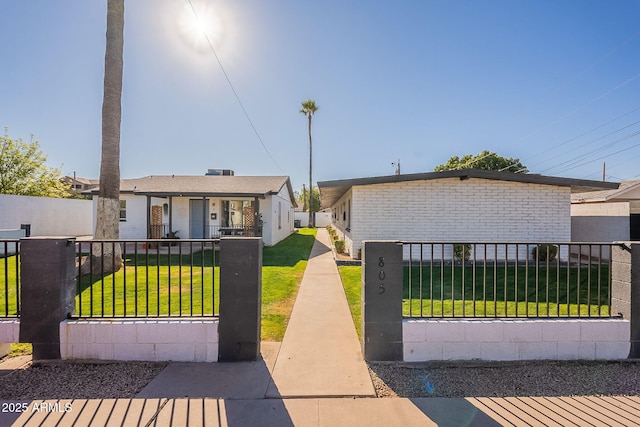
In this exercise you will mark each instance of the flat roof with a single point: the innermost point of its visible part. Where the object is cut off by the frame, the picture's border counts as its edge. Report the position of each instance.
(332, 191)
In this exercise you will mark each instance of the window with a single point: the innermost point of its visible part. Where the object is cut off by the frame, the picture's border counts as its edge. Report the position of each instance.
(123, 210)
(237, 213)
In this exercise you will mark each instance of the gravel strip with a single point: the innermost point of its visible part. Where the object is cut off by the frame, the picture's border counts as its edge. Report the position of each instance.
(473, 379)
(74, 380)
(110, 380)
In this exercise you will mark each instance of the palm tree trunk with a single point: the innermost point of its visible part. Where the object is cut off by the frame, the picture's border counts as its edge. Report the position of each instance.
(108, 209)
(311, 224)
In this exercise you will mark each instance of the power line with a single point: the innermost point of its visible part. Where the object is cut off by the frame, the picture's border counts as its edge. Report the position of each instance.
(226, 76)
(583, 134)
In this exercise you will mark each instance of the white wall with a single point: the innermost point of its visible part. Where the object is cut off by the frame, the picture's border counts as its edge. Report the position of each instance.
(47, 216)
(600, 222)
(281, 205)
(322, 218)
(9, 333)
(590, 339)
(456, 210)
(180, 340)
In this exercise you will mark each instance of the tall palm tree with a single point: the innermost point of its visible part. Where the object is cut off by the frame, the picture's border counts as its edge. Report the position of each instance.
(108, 210)
(309, 108)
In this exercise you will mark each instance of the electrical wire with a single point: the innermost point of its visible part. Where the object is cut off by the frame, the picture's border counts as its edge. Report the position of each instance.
(235, 93)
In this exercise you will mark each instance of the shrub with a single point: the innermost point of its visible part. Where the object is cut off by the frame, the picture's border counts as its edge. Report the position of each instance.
(340, 246)
(544, 251)
(462, 250)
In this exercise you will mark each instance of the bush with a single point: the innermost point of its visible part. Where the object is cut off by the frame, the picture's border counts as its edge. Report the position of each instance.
(462, 250)
(340, 246)
(544, 251)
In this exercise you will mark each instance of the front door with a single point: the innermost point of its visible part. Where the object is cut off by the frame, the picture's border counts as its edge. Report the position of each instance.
(198, 214)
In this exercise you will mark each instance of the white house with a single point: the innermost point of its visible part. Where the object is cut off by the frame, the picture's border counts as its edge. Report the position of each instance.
(454, 206)
(608, 215)
(197, 207)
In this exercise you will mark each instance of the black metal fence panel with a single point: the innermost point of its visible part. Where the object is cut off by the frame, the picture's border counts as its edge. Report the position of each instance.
(156, 278)
(9, 278)
(507, 280)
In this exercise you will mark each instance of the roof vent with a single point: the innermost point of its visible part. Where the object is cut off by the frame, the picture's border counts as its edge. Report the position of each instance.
(219, 172)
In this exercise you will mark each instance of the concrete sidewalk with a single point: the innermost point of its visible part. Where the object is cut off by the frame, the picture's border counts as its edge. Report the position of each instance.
(320, 354)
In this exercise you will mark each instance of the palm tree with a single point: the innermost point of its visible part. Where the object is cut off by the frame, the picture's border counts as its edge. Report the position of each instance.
(108, 209)
(308, 109)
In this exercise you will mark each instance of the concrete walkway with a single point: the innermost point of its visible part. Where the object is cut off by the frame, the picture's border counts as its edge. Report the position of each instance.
(320, 354)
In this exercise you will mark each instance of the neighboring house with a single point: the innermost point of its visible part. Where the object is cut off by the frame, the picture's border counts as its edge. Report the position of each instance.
(454, 206)
(203, 207)
(80, 184)
(608, 215)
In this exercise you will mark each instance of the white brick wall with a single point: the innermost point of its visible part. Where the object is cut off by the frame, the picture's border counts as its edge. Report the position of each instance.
(451, 209)
(592, 339)
(183, 340)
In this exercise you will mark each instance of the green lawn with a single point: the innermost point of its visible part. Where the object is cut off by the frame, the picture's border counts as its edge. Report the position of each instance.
(352, 282)
(282, 268)
(506, 291)
(583, 292)
(8, 294)
(185, 284)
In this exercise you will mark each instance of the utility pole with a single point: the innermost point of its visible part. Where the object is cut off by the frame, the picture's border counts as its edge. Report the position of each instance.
(604, 170)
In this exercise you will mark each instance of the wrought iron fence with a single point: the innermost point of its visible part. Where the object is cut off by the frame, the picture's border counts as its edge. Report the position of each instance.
(156, 278)
(512, 280)
(9, 278)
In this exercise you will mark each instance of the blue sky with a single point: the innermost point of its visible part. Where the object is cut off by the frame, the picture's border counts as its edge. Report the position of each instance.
(555, 83)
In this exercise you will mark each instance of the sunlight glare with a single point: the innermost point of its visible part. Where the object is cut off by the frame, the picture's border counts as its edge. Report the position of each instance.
(198, 29)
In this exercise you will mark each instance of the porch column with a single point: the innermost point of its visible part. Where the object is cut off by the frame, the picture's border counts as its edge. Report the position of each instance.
(204, 217)
(256, 217)
(148, 217)
(170, 215)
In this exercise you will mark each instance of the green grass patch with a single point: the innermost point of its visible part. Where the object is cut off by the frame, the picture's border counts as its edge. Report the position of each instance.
(570, 291)
(20, 349)
(352, 282)
(283, 266)
(8, 290)
(154, 285)
(506, 291)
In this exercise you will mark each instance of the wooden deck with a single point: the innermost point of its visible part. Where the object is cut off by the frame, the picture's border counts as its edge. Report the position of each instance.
(561, 411)
(510, 411)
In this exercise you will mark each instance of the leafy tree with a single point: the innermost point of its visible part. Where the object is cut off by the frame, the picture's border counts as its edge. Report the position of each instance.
(309, 108)
(302, 198)
(108, 206)
(486, 160)
(23, 170)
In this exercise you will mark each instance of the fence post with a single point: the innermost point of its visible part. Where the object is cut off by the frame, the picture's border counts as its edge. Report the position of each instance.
(625, 288)
(240, 299)
(382, 272)
(48, 289)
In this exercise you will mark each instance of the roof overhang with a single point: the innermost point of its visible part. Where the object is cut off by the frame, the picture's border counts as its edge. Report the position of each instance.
(332, 191)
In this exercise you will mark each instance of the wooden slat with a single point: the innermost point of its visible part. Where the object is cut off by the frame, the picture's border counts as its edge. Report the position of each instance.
(628, 412)
(494, 411)
(538, 411)
(569, 415)
(613, 414)
(595, 416)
